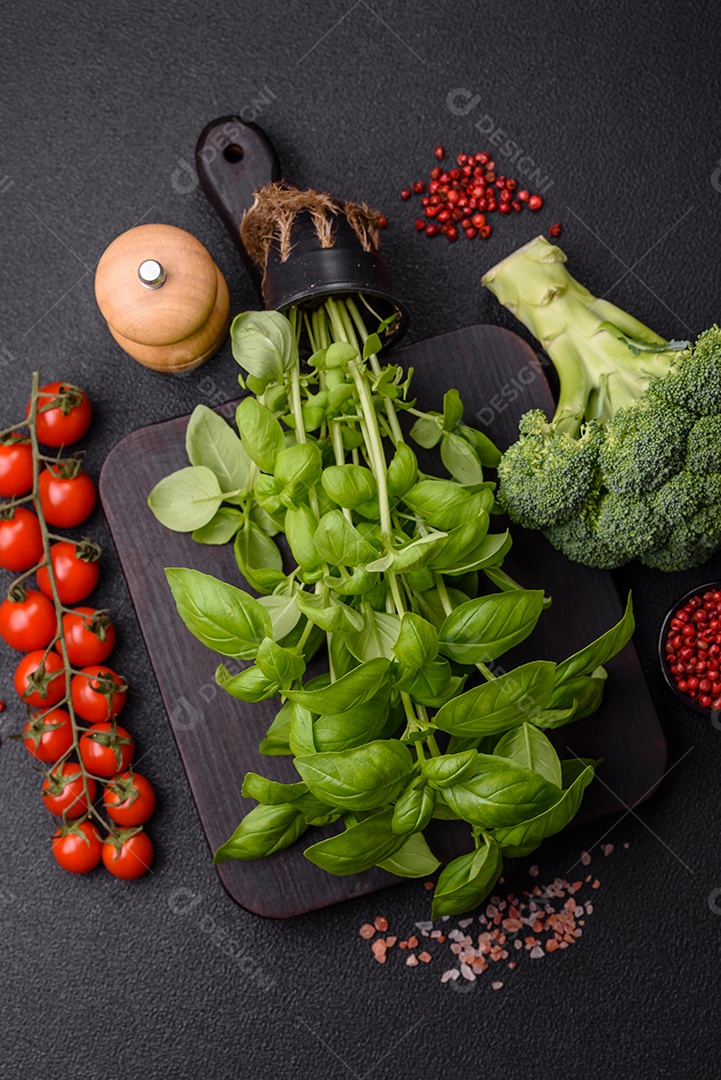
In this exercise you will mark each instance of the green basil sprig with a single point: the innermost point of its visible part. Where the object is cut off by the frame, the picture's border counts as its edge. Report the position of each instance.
(349, 543)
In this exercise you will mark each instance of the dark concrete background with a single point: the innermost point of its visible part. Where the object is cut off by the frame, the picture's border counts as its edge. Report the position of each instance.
(100, 106)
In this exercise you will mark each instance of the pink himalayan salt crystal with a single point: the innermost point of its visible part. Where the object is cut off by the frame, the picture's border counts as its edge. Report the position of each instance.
(412, 960)
(496, 986)
(585, 858)
(533, 871)
(607, 849)
(537, 953)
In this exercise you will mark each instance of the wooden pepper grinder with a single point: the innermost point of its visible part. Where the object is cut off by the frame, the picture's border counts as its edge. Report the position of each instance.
(165, 301)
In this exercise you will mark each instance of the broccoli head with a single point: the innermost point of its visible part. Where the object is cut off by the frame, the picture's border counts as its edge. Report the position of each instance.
(546, 476)
(629, 466)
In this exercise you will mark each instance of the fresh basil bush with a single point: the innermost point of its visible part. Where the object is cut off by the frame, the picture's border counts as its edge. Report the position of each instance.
(385, 564)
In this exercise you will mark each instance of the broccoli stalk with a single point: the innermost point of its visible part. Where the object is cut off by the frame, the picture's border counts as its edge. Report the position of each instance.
(617, 473)
(605, 359)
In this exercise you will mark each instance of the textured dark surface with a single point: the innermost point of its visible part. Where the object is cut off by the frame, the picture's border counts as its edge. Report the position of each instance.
(101, 104)
(218, 737)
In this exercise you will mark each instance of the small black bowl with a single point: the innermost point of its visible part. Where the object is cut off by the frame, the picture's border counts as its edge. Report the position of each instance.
(699, 590)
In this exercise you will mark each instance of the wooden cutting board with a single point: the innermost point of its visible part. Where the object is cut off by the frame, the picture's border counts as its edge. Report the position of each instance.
(499, 378)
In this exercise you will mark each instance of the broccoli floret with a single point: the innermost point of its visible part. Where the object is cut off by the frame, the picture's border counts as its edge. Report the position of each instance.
(691, 544)
(546, 477)
(644, 446)
(641, 413)
(628, 526)
(694, 382)
(704, 446)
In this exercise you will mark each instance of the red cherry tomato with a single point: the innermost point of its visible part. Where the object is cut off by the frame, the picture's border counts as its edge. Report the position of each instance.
(94, 693)
(66, 501)
(89, 636)
(76, 571)
(68, 420)
(16, 467)
(78, 848)
(106, 749)
(48, 735)
(21, 542)
(128, 857)
(64, 791)
(51, 686)
(29, 623)
(129, 800)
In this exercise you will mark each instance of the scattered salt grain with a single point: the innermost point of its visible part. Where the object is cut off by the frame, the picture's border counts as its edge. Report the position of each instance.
(467, 973)
(451, 975)
(533, 871)
(367, 931)
(412, 960)
(496, 986)
(607, 849)
(463, 923)
(380, 922)
(585, 858)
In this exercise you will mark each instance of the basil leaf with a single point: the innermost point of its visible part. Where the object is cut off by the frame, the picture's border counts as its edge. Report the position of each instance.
(349, 485)
(552, 819)
(487, 451)
(358, 848)
(258, 558)
(554, 718)
(431, 604)
(279, 665)
(341, 658)
(466, 881)
(428, 683)
(572, 768)
(187, 499)
(263, 831)
(340, 543)
(427, 431)
(402, 471)
(260, 432)
(452, 410)
(500, 794)
(270, 792)
(301, 735)
(417, 642)
(359, 583)
(329, 614)
(363, 724)
(211, 442)
(340, 354)
(300, 526)
(364, 778)
(283, 611)
(417, 553)
(461, 541)
(298, 469)
(376, 635)
(359, 685)
(460, 459)
(495, 706)
(449, 769)
(414, 809)
(600, 651)
(483, 629)
(415, 859)
(275, 743)
(225, 619)
(528, 746)
(263, 345)
(584, 692)
(249, 685)
(445, 504)
(221, 528)
(490, 553)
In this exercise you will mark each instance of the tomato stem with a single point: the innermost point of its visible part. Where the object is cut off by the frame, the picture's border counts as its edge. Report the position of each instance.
(60, 641)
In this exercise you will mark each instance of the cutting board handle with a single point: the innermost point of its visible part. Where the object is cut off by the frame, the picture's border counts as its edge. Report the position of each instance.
(233, 159)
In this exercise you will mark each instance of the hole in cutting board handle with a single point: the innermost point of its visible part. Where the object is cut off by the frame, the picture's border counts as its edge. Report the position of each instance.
(234, 153)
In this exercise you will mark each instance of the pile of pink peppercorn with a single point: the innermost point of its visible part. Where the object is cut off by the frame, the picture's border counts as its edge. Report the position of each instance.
(693, 649)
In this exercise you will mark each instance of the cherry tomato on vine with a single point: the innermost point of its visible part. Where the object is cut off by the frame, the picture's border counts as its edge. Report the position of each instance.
(106, 749)
(29, 622)
(64, 414)
(95, 693)
(129, 855)
(16, 467)
(89, 636)
(129, 800)
(64, 791)
(77, 847)
(40, 679)
(66, 501)
(76, 571)
(48, 735)
(21, 542)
